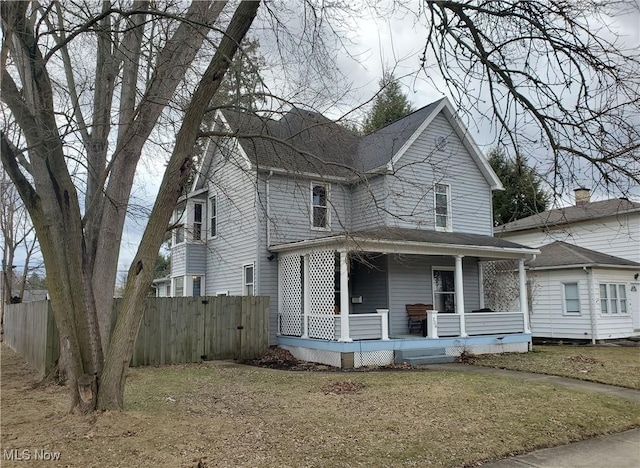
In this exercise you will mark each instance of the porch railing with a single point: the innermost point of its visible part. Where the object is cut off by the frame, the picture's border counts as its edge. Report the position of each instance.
(476, 323)
(366, 326)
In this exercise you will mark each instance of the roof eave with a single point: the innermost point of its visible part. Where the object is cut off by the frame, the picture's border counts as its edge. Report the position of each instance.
(585, 265)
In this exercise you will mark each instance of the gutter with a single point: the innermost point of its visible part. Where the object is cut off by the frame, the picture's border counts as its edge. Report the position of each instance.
(592, 309)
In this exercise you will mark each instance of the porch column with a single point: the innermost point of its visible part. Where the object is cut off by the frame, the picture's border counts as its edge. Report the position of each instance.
(306, 294)
(344, 298)
(481, 284)
(524, 308)
(460, 295)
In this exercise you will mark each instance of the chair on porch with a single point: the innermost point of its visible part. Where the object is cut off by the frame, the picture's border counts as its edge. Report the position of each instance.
(417, 314)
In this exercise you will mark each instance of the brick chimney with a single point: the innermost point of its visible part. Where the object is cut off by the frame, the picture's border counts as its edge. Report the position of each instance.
(582, 196)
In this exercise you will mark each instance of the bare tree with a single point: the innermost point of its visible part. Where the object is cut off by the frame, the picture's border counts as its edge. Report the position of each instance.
(143, 54)
(18, 242)
(551, 76)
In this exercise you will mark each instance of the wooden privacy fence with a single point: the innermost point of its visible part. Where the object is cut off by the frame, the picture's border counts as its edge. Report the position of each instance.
(29, 329)
(174, 330)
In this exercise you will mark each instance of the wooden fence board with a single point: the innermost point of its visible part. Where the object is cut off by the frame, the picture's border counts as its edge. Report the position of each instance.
(173, 330)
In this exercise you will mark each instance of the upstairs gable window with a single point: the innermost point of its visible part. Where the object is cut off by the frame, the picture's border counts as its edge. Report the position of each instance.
(320, 206)
(442, 204)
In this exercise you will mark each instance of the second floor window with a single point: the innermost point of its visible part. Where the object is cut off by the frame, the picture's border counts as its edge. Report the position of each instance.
(213, 214)
(441, 193)
(197, 221)
(319, 206)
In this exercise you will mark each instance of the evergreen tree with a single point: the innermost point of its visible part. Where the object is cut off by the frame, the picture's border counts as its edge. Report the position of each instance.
(522, 195)
(390, 104)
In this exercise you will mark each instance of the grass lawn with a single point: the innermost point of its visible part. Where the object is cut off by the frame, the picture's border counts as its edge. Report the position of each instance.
(227, 415)
(611, 365)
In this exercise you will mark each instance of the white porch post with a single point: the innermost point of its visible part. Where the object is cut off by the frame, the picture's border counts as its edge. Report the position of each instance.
(524, 308)
(481, 284)
(460, 295)
(344, 298)
(306, 294)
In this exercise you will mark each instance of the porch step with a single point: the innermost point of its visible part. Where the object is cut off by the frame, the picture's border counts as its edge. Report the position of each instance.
(416, 357)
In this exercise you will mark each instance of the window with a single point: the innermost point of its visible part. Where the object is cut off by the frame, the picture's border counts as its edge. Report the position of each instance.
(178, 233)
(442, 209)
(178, 286)
(197, 221)
(571, 298)
(248, 280)
(197, 286)
(213, 215)
(169, 290)
(613, 298)
(444, 290)
(319, 206)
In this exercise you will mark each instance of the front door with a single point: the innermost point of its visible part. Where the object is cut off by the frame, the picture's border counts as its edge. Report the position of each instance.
(444, 289)
(634, 304)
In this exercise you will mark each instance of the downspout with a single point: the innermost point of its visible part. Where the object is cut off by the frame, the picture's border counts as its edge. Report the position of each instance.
(592, 309)
(268, 209)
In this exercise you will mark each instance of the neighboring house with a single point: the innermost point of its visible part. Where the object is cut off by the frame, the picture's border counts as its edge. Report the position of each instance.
(585, 284)
(342, 232)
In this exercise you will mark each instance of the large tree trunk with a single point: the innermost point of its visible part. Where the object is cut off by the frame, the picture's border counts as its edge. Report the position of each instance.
(120, 349)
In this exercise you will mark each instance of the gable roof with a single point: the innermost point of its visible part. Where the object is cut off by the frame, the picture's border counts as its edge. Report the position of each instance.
(303, 141)
(571, 214)
(563, 255)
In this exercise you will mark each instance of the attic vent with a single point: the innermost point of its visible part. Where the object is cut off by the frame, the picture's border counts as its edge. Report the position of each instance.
(441, 143)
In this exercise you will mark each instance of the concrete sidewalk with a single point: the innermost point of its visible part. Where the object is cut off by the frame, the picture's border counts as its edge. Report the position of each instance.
(621, 392)
(613, 451)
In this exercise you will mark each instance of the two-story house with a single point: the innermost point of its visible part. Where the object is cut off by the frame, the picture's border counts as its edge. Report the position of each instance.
(585, 283)
(343, 232)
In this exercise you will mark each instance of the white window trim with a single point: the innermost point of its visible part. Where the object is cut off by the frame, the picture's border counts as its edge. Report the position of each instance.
(433, 289)
(608, 312)
(449, 226)
(327, 187)
(209, 213)
(244, 278)
(564, 299)
(174, 281)
(192, 221)
(202, 285)
(174, 232)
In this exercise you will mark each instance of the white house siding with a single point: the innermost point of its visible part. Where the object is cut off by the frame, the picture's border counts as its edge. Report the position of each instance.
(410, 283)
(410, 187)
(611, 326)
(196, 255)
(547, 317)
(290, 209)
(237, 230)
(368, 204)
(614, 235)
(178, 260)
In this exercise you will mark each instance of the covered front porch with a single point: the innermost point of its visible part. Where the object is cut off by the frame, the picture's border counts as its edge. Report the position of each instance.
(351, 291)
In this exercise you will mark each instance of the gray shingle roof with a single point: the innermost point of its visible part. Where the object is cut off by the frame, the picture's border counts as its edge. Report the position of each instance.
(305, 141)
(435, 237)
(571, 214)
(301, 141)
(376, 149)
(560, 253)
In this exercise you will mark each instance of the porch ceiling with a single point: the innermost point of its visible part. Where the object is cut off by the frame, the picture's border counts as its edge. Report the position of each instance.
(417, 242)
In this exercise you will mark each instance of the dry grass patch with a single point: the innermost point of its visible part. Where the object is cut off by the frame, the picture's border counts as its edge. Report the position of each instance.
(241, 416)
(605, 364)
